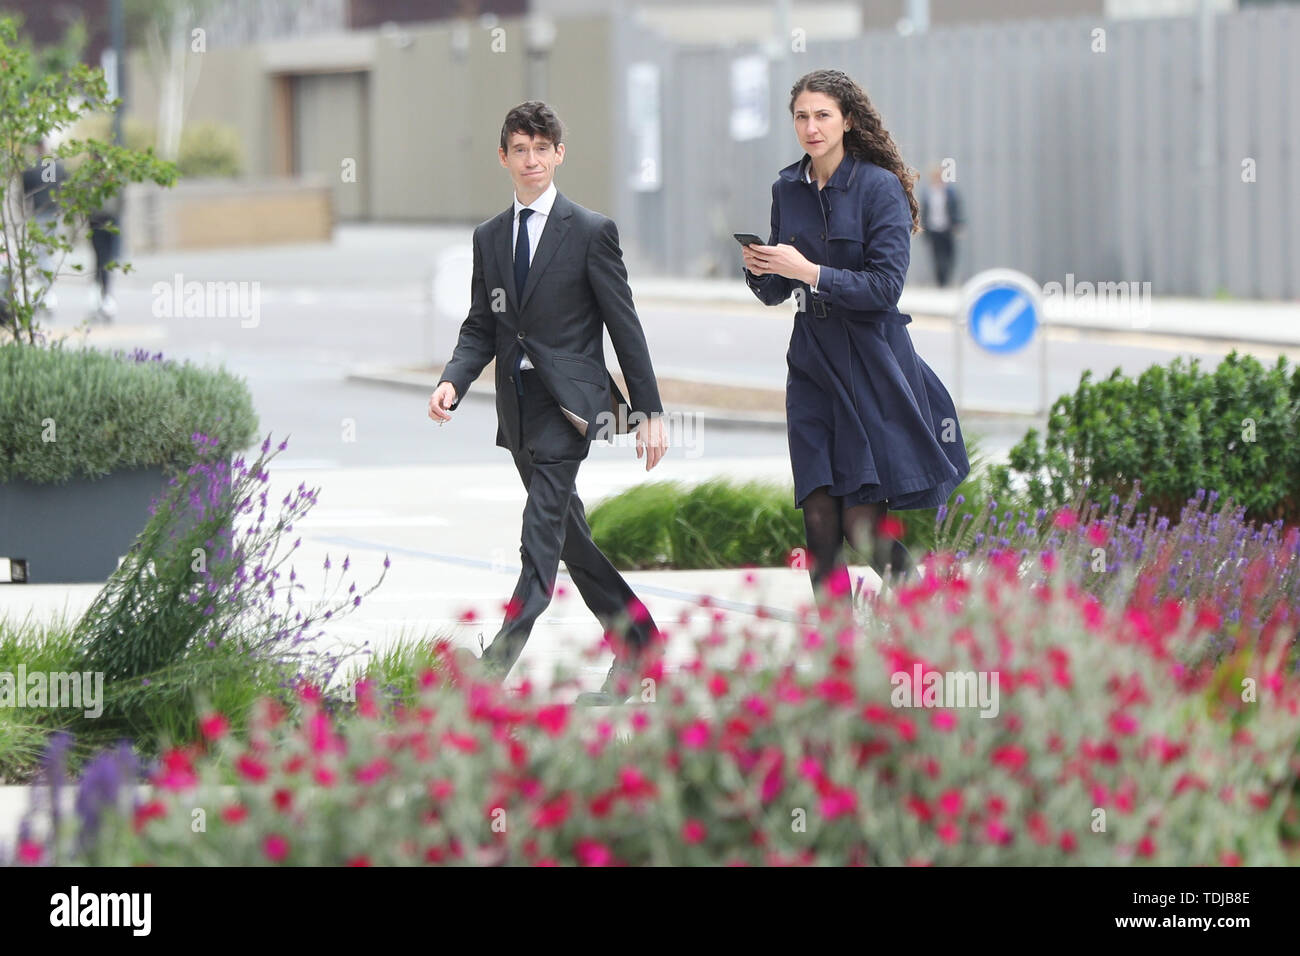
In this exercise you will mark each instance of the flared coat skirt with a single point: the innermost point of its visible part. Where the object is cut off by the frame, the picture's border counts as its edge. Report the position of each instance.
(867, 417)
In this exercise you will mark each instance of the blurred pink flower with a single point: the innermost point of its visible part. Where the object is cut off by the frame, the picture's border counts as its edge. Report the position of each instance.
(943, 720)
(1010, 756)
(1065, 519)
(838, 802)
(695, 735)
(250, 768)
(592, 853)
(214, 726)
(275, 847)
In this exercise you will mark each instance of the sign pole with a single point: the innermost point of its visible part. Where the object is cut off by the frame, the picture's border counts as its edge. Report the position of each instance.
(1003, 310)
(1045, 394)
(957, 359)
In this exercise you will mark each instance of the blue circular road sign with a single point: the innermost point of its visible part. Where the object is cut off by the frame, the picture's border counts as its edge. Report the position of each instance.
(1002, 311)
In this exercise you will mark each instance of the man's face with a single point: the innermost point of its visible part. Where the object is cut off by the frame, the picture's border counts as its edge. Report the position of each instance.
(531, 161)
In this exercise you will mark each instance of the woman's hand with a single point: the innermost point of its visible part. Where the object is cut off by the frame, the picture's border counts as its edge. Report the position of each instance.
(781, 259)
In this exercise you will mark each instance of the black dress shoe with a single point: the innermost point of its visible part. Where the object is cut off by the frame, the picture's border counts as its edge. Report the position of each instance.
(621, 685)
(598, 698)
(478, 665)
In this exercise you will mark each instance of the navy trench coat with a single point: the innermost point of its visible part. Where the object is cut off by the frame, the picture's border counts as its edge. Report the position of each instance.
(865, 415)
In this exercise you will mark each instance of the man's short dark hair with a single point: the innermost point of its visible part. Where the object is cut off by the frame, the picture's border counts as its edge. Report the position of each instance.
(533, 118)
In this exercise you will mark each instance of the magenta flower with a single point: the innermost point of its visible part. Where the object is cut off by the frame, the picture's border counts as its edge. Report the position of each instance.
(592, 853)
(695, 735)
(838, 802)
(276, 848)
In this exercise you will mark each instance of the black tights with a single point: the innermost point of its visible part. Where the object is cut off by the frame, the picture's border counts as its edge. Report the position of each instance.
(828, 523)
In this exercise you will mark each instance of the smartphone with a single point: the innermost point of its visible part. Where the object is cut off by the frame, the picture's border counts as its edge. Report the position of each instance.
(748, 239)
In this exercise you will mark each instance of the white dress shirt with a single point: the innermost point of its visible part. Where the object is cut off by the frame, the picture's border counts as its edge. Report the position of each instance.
(541, 207)
(938, 208)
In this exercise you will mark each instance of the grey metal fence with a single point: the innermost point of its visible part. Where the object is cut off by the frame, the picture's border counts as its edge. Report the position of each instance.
(1069, 159)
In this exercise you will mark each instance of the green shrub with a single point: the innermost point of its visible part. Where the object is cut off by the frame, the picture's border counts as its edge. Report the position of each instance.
(208, 149)
(717, 524)
(632, 528)
(155, 710)
(1177, 430)
(202, 573)
(23, 730)
(201, 611)
(729, 524)
(394, 673)
(720, 524)
(80, 412)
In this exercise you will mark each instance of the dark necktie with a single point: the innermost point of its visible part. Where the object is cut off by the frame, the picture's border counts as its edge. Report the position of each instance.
(521, 253)
(521, 277)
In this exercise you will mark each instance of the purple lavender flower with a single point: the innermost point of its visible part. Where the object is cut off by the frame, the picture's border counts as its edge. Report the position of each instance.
(101, 783)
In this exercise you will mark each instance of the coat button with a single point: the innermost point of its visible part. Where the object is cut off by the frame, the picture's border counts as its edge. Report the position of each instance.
(823, 235)
(792, 238)
(520, 336)
(511, 377)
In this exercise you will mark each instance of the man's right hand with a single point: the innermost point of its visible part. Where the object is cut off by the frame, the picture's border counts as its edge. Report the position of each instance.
(440, 402)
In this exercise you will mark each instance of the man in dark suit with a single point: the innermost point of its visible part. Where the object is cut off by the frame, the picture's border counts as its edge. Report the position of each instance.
(941, 222)
(548, 276)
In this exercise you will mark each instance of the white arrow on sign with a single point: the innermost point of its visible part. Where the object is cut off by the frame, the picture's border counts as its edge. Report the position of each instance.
(993, 328)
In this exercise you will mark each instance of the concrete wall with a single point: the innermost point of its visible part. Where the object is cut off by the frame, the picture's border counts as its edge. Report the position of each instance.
(438, 103)
(213, 214)
(227, 85)
(436, 97)
(1070, 160)
(582, 92)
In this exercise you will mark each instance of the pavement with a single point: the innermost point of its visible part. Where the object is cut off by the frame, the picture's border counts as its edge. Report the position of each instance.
(413, 259)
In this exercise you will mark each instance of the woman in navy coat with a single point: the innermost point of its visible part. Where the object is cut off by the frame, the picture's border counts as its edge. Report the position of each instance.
(870, 426)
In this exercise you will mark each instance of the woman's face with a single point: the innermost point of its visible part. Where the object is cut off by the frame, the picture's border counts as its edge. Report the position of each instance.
(818, 123)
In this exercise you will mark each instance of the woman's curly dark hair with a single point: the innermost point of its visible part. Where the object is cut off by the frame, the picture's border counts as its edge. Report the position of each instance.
(866, 137)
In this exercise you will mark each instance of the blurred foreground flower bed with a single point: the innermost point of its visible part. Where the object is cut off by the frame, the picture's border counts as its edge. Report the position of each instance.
(1149, 731)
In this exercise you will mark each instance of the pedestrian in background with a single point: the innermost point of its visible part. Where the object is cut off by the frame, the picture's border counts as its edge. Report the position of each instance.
(106, 242)
(941, 222)
(870, 426)
(41, 191)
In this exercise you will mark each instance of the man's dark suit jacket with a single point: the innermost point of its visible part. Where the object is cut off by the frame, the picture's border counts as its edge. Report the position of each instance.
(576, 283)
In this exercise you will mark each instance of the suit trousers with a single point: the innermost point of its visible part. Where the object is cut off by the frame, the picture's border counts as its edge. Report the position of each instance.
(943, 248)
(554, 529)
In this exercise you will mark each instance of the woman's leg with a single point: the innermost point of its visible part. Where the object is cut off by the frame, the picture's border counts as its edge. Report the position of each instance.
(863, 527)
(825, 534)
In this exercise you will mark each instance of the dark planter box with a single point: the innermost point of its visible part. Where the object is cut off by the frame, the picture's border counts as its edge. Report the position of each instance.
(74, 533)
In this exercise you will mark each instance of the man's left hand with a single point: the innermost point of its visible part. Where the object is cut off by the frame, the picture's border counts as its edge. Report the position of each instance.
(652, 439)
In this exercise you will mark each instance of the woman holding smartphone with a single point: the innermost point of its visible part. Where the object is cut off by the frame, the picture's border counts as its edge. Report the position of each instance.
(871, 428)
